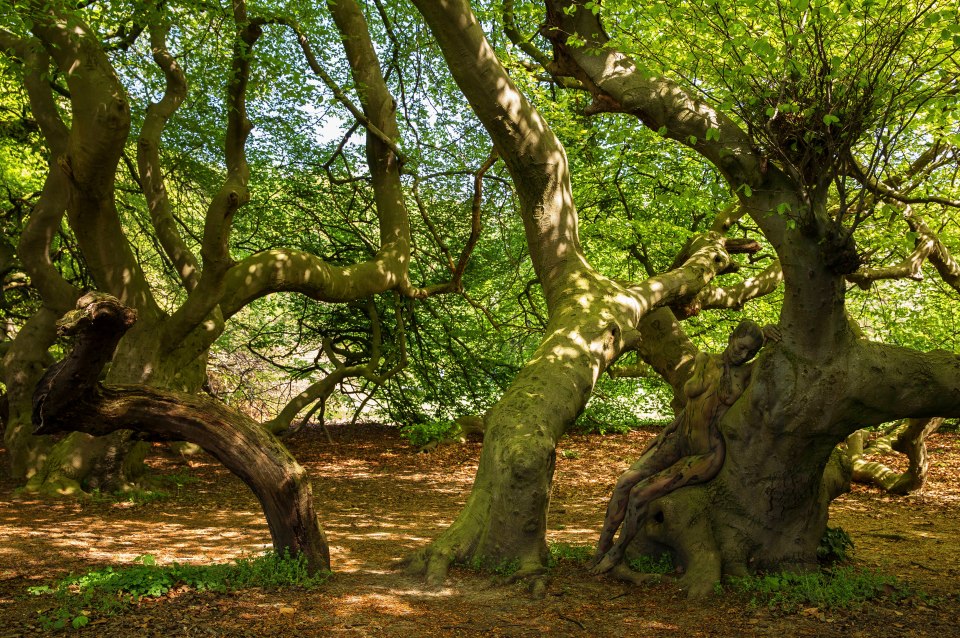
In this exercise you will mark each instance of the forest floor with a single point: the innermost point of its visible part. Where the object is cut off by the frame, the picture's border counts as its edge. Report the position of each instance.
(379, 499)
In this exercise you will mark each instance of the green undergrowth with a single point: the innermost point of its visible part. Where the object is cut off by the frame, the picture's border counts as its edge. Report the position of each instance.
(483, 564)
(109, 591)
(421, 433)
(645, 564)
(581, 554)
(834, 588)
(154, 489)
(568, 552)
(835, 546)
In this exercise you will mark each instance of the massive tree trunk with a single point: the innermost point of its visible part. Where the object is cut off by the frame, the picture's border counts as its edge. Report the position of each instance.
(70, 398)
(767, 508)
(592, 319)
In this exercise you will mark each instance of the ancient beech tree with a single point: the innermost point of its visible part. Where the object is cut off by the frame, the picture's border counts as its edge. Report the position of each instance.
(767, 506)
(84, 113)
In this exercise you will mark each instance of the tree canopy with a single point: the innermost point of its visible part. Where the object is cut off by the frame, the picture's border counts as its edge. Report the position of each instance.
(524, 213)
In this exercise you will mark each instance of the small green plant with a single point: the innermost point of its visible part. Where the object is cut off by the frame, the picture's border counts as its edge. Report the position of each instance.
(424, 432)
(178, 479)
(569, 454)
(835, 546)
(646, 564)
(842, 587)
(567, 552)
(488, 565)
(109, 591)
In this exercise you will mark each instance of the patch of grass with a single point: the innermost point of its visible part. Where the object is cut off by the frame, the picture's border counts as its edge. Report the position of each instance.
(178, 479)
(646, 564)
(569, 454)
(110, 591)
(488, 565)
(842, 587)
(568, 552)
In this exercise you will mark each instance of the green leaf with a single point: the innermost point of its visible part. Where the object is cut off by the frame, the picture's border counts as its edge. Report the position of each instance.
(80, 621)
(747, 191)
(713, 135)
(693, 140)
(829, 119)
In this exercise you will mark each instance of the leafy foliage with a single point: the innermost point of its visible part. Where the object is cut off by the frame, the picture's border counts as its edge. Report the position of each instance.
(569, 552)
(835, 546)
(647, 564)
(110, 591)
(842, 587)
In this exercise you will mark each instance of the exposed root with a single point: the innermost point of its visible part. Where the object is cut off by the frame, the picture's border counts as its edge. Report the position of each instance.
(432, 563)
(534, 577)
(622, 572)
(608, 562)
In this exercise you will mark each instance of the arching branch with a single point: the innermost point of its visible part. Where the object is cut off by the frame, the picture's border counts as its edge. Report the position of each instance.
(71, 398)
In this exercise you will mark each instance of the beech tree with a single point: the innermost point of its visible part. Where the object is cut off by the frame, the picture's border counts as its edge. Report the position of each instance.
(83, 111)
(824, 123)
(806, 144)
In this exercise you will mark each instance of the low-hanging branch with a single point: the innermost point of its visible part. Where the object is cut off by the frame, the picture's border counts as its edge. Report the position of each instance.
(71, 398)
(321, 390)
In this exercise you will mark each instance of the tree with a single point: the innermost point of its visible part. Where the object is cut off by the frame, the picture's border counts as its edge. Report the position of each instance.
(69, 395)
(85, 115)
(817, 149)
(791, 146)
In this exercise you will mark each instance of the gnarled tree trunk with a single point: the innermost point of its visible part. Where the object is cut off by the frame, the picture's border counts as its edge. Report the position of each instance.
(70, 398)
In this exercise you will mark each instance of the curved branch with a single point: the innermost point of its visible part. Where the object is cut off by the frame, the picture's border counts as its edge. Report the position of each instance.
(531, 151)
(928, 247)
(735, 297)
(884, 190)
(234, 192)
(661, 104)
(70, 397)
(148, 157)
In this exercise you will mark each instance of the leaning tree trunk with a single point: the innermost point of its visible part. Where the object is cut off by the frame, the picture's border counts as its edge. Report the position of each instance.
(69, 398)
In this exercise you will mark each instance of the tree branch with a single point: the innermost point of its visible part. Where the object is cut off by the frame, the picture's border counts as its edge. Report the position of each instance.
(71, 398)
(148, 154)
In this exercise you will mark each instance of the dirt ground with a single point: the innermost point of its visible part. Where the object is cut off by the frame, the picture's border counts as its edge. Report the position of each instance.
(379, 500)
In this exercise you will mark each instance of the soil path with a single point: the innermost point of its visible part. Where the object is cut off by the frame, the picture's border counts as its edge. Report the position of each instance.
(379, 500)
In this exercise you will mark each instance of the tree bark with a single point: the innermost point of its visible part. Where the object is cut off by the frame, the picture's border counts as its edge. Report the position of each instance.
(908, 438)
(70, 398)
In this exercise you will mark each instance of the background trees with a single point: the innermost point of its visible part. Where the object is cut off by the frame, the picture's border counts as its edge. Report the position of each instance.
(539, 182)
